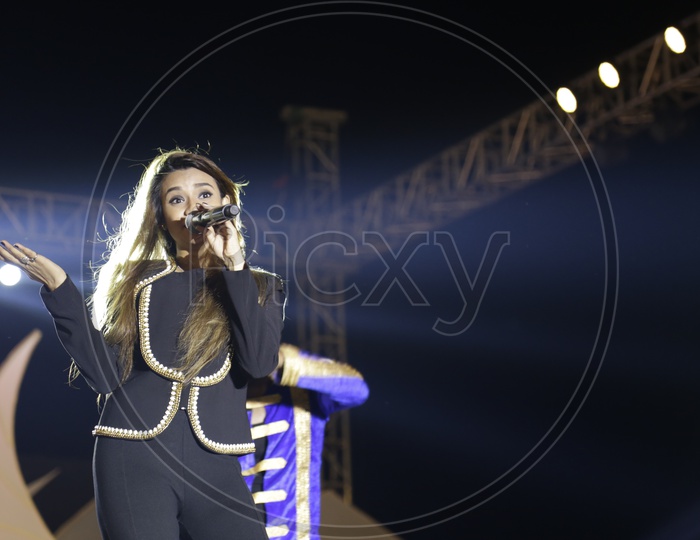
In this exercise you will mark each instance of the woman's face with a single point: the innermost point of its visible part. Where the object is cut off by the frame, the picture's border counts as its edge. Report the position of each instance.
(183, 192)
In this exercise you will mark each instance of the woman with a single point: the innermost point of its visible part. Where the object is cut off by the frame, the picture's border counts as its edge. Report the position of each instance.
(184, 323)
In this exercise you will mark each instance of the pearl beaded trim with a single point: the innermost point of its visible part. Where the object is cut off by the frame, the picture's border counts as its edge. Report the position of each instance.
(165, 371)
(134, 434)
(169, 267)
(220, 448)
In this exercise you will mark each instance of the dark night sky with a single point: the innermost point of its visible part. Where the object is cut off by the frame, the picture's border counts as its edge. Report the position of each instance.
(519, 427)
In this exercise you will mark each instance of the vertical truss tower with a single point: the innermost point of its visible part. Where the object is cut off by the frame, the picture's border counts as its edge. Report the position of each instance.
(312, 141)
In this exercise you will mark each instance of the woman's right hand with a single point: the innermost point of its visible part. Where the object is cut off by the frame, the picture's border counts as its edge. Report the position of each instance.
(37, 267)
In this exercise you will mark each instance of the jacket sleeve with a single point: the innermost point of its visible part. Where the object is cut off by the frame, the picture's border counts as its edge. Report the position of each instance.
(256, 329)
(336, 385)
(96, 361)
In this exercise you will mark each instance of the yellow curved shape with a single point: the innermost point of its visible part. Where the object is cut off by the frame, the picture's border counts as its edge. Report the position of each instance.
(19, 517)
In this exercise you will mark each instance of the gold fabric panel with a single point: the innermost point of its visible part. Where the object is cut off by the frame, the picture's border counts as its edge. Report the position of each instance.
(302, 428)
(272, 428)
(297, 366)
(263, 401)
(277, 532)
(270, 464)
(263, 497)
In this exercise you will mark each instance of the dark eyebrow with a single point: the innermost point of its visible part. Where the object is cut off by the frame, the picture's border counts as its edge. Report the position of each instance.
(200, 184)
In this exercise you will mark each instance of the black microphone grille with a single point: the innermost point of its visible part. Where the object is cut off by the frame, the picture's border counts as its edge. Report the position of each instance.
(231, 210)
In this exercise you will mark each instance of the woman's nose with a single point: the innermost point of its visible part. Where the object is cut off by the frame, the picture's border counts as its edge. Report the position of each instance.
(195, 207)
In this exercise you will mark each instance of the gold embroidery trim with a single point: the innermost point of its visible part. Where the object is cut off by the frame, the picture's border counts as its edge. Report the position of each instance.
(271, 464)
(274, 495)
(302, 428)
(265, 430)
(122, 433)
(297, 366)
(162, 370)
(219, 448)
(277, 531)
(263, 401)
(169, 267)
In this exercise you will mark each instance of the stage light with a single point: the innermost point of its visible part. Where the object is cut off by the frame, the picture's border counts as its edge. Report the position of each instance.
(566, 100)
(609, 75)
(674, 39)
(10, 275)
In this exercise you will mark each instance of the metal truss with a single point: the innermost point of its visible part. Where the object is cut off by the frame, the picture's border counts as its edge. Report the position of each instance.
(52, 222)
(313, 145)
(533, 143)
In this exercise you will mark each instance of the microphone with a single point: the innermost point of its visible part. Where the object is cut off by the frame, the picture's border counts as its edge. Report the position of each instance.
(211, 217)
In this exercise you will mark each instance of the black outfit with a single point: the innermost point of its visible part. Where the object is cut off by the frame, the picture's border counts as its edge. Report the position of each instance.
(166, 452)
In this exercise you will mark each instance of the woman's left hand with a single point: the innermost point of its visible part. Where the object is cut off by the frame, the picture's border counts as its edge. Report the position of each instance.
(37, 267)
(224, 242)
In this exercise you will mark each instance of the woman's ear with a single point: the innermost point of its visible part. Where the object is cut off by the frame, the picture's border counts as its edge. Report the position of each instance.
(226, 199)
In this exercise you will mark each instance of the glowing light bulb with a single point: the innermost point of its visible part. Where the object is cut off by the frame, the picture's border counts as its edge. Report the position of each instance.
(609, 75)
(566, 100)
(10, 275)
(674, 39)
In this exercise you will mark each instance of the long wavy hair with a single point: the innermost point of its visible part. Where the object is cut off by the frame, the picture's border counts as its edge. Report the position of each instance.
(139, 247)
